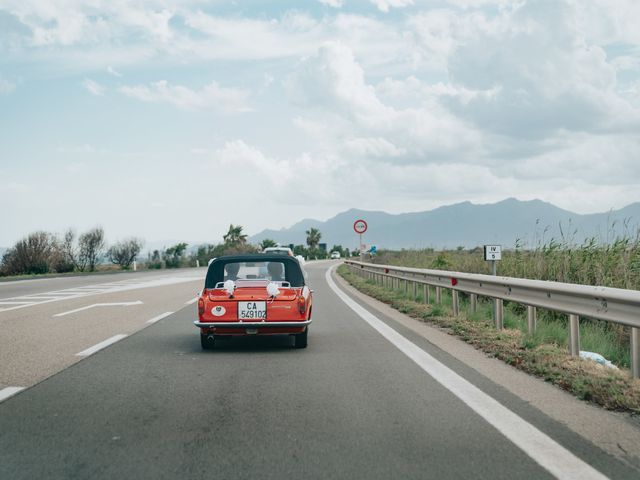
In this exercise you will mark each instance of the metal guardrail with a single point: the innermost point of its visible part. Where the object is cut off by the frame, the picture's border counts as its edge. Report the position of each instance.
(602, 303)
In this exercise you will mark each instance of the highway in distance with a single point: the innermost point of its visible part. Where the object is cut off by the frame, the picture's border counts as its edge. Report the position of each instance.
(374, 396)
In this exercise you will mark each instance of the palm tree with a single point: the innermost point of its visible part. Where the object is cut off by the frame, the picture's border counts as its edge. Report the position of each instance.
(234, 236)
(313, 237)
(266, 243)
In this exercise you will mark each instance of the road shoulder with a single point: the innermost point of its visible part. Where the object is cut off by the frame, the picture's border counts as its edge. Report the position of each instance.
(617, 434)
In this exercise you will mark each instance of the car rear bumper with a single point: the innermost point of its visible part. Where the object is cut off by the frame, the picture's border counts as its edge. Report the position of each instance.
(251, 324)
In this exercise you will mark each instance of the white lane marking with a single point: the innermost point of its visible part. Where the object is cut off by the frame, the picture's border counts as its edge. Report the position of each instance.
(192, 301)
(120, 304)
(545, 451)
(99, 346)
(17, 302)
(28, 298)
(159, 317)
(9, 392)
(77, 292)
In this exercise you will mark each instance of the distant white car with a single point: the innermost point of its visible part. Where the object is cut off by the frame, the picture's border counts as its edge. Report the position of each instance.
(335, 255)
(278, 251)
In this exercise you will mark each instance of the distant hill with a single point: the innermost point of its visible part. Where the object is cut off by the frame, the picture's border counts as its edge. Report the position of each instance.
(465, 224)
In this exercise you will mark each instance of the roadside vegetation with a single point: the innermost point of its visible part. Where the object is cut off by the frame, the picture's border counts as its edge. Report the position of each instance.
(609, 264)
(44, 253)
(544, 353)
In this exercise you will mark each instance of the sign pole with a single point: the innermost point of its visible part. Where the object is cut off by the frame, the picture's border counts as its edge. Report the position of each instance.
(493, 272)
(360, 226)
(492, 254)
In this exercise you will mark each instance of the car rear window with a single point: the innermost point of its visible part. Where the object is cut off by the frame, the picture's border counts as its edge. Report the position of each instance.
(274, 271)
(277, 269)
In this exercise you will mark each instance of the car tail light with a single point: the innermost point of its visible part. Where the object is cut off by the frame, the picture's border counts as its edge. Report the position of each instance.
(201, 306)
(302, 304)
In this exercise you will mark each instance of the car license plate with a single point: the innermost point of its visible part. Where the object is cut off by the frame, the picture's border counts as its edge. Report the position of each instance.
(252, 310)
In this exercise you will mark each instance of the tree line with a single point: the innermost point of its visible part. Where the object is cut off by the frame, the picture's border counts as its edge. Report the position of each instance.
(43, 252)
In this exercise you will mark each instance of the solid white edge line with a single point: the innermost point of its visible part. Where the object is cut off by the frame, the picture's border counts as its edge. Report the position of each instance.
(159, 317)
(118, 304)
(192, 301)
(99, 346)
(545, 451)
(9, 392)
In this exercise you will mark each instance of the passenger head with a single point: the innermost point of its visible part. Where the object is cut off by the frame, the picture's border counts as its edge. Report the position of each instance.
(232, 270)
(275, 270)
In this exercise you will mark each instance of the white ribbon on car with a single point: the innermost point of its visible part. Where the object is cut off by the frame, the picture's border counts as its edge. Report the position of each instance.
(272, 289)
(230, 287)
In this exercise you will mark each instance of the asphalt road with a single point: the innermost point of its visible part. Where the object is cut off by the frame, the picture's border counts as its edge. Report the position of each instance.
(351, 405)
(16, 288)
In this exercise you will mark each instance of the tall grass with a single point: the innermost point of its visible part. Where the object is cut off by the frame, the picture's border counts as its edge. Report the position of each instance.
(614, 264)
(611, 264)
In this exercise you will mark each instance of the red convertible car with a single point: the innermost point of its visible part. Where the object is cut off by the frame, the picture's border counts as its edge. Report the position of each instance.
(254, 295)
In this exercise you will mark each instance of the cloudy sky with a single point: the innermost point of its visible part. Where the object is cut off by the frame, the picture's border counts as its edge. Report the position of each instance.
(170, 120)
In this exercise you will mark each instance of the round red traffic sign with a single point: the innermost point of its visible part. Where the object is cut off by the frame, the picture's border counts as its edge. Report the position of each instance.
(360, 226)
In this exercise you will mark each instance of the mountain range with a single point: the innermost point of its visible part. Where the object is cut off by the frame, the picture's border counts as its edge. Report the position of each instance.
(531, 223)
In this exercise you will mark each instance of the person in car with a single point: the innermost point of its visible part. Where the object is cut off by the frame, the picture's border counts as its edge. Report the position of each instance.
(232, 270)
(276, 271)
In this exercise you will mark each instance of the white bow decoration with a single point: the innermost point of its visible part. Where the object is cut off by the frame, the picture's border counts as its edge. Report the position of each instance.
(230, 287)
(272, 289)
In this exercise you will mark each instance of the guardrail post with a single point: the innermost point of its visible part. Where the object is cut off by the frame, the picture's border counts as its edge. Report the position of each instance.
(425, 292)
(415, 291)
(574, 335)
(438, 295)
(531, 319)
(635, 352)
(455, 303)
(499, 306)
(473, 300)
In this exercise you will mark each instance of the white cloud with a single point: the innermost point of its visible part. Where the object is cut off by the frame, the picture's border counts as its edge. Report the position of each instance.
(332, 3)
(113, 71)
(210, 97)
(373, 147)
(384, 5)
(6, 86)
(545, 76)
(445, 101)
(93, 87)
(71, 22)
(333, 83)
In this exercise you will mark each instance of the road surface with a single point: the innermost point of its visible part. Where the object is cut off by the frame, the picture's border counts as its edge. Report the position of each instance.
(373, 396)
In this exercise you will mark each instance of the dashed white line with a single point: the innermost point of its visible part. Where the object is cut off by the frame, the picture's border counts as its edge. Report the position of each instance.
(83, 291)
(192, 301)
(120, 304)
(9, 392)
(159, 317)
(545, 451)
(100, 346)
(16, 303)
